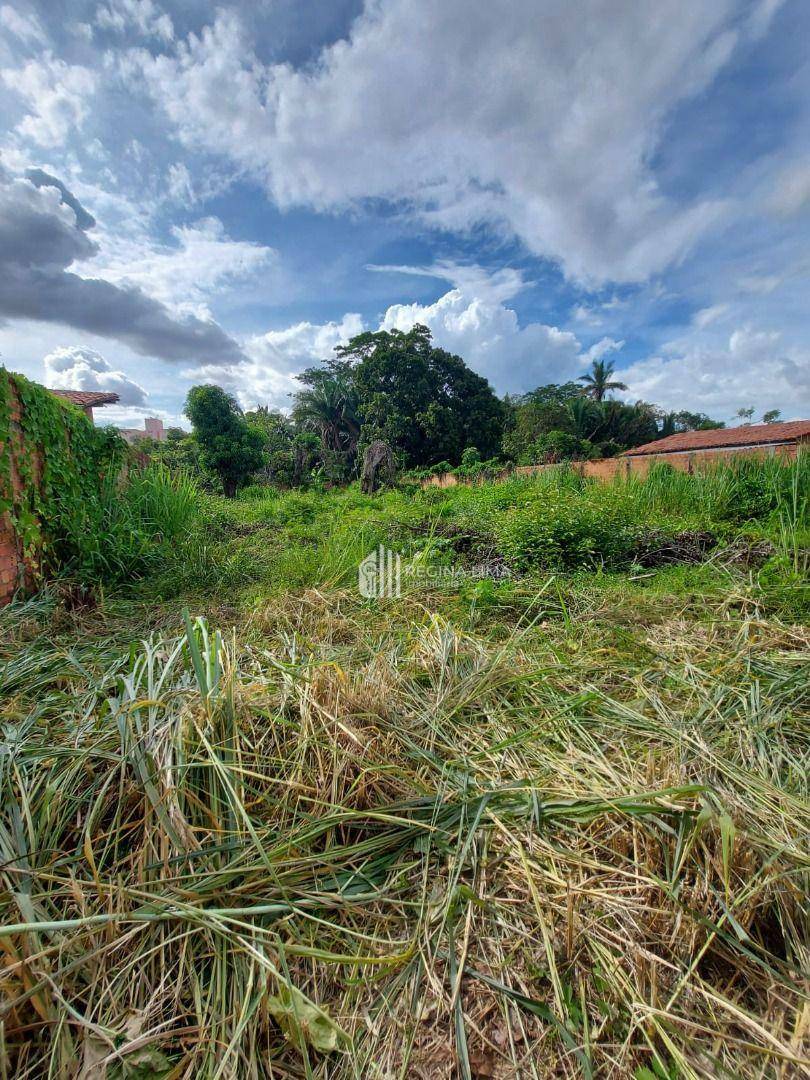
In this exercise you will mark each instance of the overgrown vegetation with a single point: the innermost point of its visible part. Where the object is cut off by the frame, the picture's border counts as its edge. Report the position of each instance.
(81, 506)
(546, 817)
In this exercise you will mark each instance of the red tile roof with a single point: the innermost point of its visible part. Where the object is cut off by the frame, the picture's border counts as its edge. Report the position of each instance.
(749, 435)
(85, 398)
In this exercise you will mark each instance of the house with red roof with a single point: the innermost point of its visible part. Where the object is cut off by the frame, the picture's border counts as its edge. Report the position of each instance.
(86, 399)
(784, 438)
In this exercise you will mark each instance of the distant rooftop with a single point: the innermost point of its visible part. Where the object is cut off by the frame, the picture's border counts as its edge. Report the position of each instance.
(86, 398)
(716, 439)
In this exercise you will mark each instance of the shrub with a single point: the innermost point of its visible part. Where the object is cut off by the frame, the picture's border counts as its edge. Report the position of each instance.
(566, 530)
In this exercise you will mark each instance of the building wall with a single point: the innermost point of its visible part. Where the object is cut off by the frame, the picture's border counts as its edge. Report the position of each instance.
(609, 468)
(13, 571)
(18, 569)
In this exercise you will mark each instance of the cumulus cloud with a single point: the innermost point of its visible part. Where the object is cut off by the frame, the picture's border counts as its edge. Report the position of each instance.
(41, 237)
(267, 376)
(39, 178)
(75, 368)
(56, 94)
(751, 367)
(540, 122)
(471, 320)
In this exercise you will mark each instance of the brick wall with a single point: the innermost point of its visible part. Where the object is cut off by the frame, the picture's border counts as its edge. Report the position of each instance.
(639, 466)
(13, 571)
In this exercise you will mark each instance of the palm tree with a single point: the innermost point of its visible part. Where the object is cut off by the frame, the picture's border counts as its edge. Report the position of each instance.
(586, 416)
(329, 407)
(598, 380)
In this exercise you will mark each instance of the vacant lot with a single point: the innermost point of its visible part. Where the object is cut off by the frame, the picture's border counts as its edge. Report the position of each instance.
(544, 814)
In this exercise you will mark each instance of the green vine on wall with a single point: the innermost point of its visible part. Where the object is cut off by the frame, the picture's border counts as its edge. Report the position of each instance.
(61, 462)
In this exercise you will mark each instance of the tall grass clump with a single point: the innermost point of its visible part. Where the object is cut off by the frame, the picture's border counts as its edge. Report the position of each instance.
(743, 490)
(140, 519)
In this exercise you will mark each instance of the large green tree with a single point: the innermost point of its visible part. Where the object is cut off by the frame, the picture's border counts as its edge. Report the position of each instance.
(422, 400)
(229, 446)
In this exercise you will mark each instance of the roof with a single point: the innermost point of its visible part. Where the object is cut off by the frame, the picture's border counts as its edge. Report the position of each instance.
(749, 435)
(86, 398)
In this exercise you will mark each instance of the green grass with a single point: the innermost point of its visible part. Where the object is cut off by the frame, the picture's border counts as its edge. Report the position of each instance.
(552, 825)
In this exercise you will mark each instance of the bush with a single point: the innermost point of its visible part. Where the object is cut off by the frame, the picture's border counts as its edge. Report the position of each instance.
(567, 530)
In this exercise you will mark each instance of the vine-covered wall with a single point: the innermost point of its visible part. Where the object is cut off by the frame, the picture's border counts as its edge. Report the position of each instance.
(52, 459)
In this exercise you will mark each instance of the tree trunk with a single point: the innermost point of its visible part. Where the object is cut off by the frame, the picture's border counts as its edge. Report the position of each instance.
(378, 467)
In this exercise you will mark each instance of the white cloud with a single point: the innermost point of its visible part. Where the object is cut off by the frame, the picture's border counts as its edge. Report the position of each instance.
(75, 368)
(492, 285)
(761, 284)
(181, 189)
(204, 260)
(267, 377)
(143, 16)
(56, 94)
(470, 320)
(26, 27)
(708, 315)
(762, 16)
(751, 368)
(541, 122)
(488, 335)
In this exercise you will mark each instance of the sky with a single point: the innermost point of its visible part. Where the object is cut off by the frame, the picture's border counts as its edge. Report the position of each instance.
(195, 192)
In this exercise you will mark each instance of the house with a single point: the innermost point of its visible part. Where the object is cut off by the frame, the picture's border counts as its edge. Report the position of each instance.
(86, 399)
(152, 429)
(688, 448)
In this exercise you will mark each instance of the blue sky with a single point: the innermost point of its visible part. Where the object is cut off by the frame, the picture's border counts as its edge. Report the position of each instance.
(223, 193)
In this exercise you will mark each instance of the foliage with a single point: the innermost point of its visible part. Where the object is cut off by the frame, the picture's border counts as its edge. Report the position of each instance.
(61, 464)
(328, 405)
(598, 381)
(424, 402)
(84, 510)
(588, 423)
(567, 530)
(229, 446)
(557, 446)
(684, 420)
(141, 521)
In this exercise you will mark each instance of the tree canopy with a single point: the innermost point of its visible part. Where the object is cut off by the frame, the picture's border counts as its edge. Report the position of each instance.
(229, 447)
(423, 401)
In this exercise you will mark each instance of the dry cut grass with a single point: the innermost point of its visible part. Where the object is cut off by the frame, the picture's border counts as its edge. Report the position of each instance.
(355, 848)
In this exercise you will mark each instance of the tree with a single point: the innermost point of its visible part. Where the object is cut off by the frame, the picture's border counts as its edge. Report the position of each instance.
(530, 418)
(229, 446)
(564, 410)
(683, 420)
(771, 416)
(598, 380)
(745, 415)
(327, 406)
(424, 402)
(560, 446)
